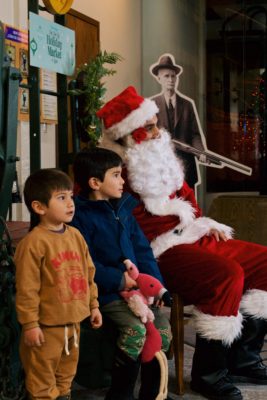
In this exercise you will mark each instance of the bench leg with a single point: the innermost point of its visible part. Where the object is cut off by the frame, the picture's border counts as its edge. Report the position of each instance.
(177, 323)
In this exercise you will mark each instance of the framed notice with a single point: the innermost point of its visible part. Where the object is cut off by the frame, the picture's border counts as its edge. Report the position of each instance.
(24, 62)
(48, 81)
(23, 101)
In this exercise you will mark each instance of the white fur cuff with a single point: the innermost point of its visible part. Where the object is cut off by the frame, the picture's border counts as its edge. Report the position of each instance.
(190, 234)
(225, 329)
(166, 206)
(254, 303)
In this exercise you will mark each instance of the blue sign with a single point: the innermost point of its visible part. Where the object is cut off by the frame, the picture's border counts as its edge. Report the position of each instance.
(16, 35)
(52, 46)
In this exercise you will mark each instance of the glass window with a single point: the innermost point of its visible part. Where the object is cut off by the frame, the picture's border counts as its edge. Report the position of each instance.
(236, 51)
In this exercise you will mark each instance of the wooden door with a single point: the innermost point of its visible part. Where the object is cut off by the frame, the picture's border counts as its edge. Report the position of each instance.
(87, 36)
(87, 46)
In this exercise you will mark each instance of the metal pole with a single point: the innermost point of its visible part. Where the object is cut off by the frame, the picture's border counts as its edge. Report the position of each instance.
(34, 103)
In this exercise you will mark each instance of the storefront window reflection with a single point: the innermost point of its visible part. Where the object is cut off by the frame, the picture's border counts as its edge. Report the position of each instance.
(237, 92)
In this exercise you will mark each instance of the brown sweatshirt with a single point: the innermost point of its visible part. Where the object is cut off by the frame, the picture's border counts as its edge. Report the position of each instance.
(54, 278)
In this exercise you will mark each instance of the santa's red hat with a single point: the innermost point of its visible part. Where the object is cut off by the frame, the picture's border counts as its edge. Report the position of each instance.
(126, 112)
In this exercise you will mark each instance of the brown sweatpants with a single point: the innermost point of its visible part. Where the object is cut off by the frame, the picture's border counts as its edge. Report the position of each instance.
(49, 370)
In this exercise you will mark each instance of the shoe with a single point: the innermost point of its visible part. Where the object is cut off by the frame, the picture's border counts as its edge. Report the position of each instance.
(210, 373)
(221, 390)
(244, 361)
(256, 373)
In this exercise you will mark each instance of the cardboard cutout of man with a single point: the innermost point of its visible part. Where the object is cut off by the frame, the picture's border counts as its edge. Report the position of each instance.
(178, 114)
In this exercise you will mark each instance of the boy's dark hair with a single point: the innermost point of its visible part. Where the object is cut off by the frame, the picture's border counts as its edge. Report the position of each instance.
(93, 163)
(40, 185)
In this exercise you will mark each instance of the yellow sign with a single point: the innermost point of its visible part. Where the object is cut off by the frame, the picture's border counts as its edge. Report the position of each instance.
(58, 6)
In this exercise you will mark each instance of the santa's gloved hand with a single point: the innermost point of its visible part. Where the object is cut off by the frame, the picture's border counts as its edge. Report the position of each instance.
(166, 298)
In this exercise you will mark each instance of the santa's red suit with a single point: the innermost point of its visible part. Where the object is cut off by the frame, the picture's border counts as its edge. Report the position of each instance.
(225, 280)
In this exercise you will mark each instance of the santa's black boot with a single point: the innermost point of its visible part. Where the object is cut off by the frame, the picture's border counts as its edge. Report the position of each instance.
(209, 371)
(150, 380)
(245, 363)
(124, 375)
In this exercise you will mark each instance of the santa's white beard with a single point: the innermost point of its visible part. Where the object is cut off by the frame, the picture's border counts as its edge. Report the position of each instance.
(153, 168)
(154, 172)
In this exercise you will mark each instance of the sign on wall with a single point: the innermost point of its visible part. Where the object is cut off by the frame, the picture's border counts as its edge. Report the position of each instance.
(52, 46)
(48, 81)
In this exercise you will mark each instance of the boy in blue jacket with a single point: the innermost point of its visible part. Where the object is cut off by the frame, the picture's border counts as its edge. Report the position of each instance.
(104, 217)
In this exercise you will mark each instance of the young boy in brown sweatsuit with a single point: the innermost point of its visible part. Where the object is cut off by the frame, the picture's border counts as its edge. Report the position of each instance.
(55, 287)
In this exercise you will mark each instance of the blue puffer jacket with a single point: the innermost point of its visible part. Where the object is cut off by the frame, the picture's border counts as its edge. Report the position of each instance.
(112, 235)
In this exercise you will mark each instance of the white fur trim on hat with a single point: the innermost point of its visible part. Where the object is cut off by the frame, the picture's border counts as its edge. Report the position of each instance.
(190, 234)
(225, 329)
(254, 303)
(135, 119)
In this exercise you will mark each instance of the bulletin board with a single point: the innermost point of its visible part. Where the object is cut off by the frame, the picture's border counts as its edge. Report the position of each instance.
(16, 45)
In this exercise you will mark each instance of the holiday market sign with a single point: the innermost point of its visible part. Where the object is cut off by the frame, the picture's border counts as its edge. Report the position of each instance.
(52, 46)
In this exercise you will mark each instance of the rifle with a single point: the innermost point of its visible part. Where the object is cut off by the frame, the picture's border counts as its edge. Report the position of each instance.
(213, 158)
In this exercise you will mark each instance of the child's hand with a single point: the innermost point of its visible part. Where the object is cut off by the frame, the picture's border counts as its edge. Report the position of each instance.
(96, 318)
(159, 303)
(34, 337)
(129, 282)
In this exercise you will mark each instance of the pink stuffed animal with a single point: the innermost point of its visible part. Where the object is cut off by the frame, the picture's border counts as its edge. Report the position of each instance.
(138, 301)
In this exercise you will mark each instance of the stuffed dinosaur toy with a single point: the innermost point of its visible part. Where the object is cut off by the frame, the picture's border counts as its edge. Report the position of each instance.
(148, 288)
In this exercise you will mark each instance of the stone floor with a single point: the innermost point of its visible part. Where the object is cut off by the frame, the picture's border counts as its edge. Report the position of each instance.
(250, 392)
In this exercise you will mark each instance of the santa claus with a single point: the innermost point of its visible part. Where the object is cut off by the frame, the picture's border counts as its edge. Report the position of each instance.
(225, 279)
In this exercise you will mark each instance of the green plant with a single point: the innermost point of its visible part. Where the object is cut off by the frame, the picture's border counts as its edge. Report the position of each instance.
(90, 90)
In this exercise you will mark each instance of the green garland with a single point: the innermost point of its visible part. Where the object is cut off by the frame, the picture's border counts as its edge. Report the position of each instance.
(92, 91)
